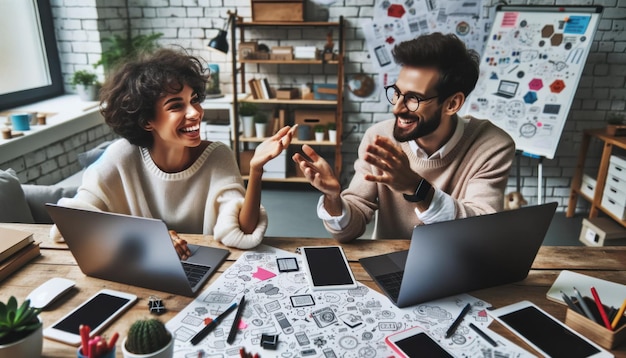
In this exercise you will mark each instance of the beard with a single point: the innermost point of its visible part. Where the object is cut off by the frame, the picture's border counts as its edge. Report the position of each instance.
(422, 128)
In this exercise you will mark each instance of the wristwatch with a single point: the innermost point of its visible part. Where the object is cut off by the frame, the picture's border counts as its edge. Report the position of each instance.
(420, 193)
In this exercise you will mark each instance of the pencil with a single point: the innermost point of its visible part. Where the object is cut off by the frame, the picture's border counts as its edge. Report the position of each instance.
(458, 320)
(596, 298)
(619, 315)
(584, 306)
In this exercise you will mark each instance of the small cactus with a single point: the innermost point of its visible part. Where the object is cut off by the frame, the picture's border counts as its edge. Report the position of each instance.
(147, 336)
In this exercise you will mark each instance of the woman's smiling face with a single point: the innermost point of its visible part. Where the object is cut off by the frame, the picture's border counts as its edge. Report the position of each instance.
(177, 119)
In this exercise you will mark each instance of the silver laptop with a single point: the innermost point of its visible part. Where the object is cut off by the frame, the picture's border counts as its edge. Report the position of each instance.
(458, 256)
(133, 250)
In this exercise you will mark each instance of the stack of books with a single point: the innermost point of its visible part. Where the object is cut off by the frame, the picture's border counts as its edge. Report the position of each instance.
(260, 88)
(16, 249)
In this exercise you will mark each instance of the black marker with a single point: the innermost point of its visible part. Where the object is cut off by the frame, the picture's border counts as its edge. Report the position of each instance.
(211, 326)
(483, 334)
(458, 320)
(235, 326)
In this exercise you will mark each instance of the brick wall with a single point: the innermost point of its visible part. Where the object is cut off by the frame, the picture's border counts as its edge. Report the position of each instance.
(81, 24)
(55, 162)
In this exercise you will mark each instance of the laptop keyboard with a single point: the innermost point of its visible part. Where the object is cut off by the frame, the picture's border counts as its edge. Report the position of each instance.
(391, 283)
(195, 272)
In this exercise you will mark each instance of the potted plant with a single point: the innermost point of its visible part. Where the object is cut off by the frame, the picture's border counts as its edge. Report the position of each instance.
(86, 83)
(260, 124)
(332, 132)
(148, 338)
(319, 130)
(247, 110)
(121, 49)
(21, 329)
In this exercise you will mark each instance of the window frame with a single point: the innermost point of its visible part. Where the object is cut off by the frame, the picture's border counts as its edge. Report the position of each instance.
(56, 88)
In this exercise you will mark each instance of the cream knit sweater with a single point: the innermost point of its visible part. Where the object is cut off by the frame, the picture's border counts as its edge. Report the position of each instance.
(204, 199)
(474, 173)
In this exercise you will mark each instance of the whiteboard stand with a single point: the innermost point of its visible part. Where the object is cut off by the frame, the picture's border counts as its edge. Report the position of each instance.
(539, 175)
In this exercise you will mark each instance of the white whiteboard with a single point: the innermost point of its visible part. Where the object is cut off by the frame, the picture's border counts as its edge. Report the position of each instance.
(529, 72)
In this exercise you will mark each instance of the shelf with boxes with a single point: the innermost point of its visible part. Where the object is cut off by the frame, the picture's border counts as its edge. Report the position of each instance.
(313, 99)
(606, 192)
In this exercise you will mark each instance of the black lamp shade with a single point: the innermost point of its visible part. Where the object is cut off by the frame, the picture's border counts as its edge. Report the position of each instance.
(219, 42)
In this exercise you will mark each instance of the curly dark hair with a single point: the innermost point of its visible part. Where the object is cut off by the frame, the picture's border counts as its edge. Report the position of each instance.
(129, 96)
(457, 65)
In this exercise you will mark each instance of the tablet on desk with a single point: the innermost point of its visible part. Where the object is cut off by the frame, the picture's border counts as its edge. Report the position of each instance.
(327, 268)
(545, 333)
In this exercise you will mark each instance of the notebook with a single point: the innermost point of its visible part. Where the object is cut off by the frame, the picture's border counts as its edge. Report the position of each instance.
(12, 241)
(133, 250)
(458, 256)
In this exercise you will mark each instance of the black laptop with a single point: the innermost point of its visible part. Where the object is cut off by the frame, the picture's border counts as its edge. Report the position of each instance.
(458, 256)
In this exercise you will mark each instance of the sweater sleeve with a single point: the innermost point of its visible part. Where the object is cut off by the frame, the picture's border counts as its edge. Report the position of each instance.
(484, 188)
(228, 232)
(360, 199)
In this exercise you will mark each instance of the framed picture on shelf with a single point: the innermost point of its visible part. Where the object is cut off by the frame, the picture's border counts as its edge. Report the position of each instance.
(247, 49)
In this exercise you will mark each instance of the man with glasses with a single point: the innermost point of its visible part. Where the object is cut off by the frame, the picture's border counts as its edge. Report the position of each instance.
(426, 165)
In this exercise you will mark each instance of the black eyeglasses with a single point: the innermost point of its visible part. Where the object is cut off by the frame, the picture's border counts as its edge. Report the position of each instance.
(411, 100)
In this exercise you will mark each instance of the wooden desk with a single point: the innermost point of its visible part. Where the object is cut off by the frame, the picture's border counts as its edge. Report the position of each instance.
(56, 261)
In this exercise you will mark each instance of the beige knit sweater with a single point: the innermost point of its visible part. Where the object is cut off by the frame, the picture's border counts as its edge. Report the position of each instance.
(474, 173)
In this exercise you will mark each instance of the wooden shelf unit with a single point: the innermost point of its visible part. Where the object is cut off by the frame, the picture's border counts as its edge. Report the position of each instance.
(596, 201)
(331, 67)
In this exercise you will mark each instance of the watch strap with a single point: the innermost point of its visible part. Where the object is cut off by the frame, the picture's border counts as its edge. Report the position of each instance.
(421, 193)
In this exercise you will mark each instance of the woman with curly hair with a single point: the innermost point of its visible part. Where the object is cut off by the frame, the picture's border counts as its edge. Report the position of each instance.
(161, 168)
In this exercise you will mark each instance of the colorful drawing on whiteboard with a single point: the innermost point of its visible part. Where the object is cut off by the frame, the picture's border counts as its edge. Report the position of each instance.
(533, 60)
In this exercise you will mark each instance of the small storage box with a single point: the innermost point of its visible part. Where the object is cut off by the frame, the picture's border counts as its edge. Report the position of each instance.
(617, 167)
(588, 186)
(613, 206)
(277, 10)
(276, 168)
(595, 231)
(216, 132)
(326, 91)
(595, 331)
(287, 93)
(314, 118)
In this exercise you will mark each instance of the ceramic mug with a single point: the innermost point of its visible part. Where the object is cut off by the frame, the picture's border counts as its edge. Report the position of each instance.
(20, 121)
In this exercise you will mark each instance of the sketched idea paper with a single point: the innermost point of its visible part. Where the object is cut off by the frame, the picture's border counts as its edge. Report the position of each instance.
(346, 323)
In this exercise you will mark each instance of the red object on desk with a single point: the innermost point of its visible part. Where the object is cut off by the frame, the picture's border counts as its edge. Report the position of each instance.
(605, 318)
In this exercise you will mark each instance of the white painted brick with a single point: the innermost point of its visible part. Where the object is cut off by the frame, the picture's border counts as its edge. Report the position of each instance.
(82, 13)
(171, 12)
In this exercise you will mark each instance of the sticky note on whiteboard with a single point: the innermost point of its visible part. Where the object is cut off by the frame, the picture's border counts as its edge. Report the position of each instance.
(577, 25)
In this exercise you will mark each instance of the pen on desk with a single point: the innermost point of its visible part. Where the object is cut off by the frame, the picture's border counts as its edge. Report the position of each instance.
(458, 320)
(483, 334)
(235, 326)
(584, 306)
(211, 326)
(596, 298)
(619, 315)
(571, 304)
